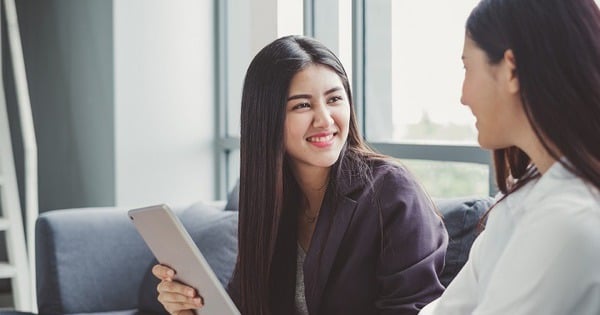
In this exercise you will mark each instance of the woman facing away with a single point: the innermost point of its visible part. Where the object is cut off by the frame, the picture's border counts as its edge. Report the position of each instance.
(532, 80)
(326, 225)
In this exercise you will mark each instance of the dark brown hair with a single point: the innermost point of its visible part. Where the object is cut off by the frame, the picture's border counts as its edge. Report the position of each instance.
(556, 44)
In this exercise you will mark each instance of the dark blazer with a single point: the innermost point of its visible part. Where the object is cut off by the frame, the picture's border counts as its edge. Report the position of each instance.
(380, 251)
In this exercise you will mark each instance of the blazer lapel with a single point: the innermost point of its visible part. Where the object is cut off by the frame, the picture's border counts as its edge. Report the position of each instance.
(328, 235)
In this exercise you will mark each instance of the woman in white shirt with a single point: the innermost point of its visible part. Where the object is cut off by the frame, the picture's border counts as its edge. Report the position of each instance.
(532, 80)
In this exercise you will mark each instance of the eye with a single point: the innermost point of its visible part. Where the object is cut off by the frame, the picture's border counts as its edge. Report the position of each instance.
(334, 99)
(301, 106)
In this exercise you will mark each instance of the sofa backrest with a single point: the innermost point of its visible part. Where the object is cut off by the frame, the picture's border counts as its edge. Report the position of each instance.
(77, 251)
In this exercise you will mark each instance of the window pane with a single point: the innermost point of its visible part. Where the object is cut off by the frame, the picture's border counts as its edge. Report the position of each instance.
(447, 179)
(426, 72)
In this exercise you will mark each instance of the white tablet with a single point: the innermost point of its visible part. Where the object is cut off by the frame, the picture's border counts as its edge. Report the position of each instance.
(172, 246)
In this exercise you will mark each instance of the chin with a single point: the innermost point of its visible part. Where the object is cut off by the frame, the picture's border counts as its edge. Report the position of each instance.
(485, 143)
(490, 145)
(327, 162)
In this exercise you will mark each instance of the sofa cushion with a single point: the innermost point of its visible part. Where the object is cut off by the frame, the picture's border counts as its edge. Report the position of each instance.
(461, 217)
(76, 254)
(215, 233)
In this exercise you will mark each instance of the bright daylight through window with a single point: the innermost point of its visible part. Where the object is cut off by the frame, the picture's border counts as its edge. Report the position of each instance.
(420, 103)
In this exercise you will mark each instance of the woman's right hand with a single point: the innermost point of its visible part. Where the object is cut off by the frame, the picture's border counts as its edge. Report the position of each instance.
(176, 298)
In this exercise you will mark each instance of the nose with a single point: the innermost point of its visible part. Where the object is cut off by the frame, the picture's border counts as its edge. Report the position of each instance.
(322, 118)
(462, 99)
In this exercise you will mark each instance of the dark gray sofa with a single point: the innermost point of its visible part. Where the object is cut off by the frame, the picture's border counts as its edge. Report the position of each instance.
(92, 261)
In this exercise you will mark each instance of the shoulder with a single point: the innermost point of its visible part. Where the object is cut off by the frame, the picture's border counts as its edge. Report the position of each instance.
(409, 224)
(392, 180)
(555, 234)
(569, 204)
(391, 171)
(568, 217)
(397, 195)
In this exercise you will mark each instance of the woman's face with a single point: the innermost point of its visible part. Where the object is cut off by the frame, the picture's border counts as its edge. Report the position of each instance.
(492, 94)
(317, 118)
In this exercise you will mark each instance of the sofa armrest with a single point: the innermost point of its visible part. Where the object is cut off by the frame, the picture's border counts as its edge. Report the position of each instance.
(88, 260)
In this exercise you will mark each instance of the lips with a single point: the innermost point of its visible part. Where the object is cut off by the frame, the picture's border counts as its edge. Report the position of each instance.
(323, 139)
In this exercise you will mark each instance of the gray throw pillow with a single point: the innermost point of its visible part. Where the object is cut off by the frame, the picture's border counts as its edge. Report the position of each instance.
(215, 233)
(461, 217)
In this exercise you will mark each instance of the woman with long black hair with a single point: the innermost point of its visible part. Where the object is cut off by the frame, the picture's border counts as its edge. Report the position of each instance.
(326, 225)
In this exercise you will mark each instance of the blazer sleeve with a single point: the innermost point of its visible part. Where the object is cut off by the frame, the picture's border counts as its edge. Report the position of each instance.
(413, 245)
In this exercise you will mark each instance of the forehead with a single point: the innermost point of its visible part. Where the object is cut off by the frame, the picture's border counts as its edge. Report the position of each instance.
(471, 49)
(469, 44)
(315, 77)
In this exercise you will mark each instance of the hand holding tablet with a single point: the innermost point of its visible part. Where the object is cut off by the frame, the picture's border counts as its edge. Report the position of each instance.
(175, 297)
(173, 247)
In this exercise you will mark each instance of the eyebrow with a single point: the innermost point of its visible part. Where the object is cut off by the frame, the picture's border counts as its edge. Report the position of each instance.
(297, 96)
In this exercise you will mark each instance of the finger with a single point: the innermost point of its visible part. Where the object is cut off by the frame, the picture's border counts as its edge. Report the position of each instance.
(167, 286)
(163, 272)
(179, 308)
(168, 297)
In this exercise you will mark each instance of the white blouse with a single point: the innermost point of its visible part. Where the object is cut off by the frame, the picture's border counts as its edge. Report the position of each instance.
(539, 254)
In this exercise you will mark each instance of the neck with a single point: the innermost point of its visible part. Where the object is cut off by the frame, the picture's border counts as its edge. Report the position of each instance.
(313, 183)
(538, 153)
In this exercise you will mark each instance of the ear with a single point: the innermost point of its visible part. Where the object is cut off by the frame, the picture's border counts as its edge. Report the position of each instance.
(510, 66)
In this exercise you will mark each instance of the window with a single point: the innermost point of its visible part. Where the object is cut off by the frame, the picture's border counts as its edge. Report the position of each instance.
(412, 85)
(403, 57)
(427, 73)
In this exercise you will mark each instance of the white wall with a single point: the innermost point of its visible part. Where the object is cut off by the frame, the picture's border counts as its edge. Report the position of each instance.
(164, 101)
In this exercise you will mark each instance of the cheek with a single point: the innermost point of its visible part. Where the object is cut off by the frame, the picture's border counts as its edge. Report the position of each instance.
(342, 118)
(287, 132)
(294, 128)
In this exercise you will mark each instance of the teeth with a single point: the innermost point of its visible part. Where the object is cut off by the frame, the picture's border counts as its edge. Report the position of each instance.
(321, 139)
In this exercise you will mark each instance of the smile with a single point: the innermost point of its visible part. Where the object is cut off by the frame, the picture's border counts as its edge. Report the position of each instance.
(322, 140)
(326, 138)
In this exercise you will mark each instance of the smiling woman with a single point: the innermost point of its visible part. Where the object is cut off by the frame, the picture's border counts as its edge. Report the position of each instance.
(326, 225)
(532, 81)
(317, 119)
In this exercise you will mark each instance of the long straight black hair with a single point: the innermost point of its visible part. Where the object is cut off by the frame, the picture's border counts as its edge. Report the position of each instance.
(268, 192)
(556, 44)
